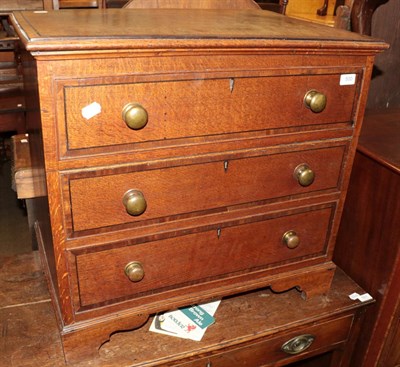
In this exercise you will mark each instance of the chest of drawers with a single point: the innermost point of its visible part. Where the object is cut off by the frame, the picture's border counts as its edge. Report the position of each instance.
(188, 155)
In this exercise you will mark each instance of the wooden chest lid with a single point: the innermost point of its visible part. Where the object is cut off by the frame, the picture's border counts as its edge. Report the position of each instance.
(108, 29)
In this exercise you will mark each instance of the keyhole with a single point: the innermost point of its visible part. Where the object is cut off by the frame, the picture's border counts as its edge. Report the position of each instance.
(226, 164)
(231, 84)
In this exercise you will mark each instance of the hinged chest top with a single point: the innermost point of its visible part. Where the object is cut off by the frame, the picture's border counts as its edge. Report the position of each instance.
(154, 28)
(189, 155)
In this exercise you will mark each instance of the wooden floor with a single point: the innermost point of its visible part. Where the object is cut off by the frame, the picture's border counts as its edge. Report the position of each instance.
(29, 336)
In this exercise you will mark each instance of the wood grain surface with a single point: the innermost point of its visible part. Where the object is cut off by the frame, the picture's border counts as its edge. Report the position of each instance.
(30, 335)
(368, 236)
(149, 28)
(92, 53)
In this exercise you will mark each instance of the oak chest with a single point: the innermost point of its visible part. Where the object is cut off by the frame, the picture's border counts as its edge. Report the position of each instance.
(187, 156)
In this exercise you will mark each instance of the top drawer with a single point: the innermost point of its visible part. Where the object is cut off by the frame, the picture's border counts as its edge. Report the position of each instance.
(177, 109)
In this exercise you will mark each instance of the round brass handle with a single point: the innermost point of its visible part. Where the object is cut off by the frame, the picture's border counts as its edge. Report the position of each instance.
(304, 174)
(134, 271)
(298, 344)
(135, 203)
(291, 239)
(315, 101)
(135, 116)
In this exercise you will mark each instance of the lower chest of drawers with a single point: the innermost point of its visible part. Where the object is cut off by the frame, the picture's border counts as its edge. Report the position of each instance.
(283, 348)
(264, 329)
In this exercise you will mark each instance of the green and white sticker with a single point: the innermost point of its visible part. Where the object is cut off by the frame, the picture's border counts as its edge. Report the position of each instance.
(198, 315)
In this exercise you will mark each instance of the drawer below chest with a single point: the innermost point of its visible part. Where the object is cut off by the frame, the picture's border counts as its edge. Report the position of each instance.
(305, 341)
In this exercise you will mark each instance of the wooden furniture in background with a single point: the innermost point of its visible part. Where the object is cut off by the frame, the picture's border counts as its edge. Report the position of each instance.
(26, 181)
(385, 86)
(278, 6)
(7, 6)
(323, 10)
(48, 5)
(192, 4)
(12, 102)
(22, 167)
(368, 246)
(115, 3)
(308, 10)
(171, 180)
(361, 14)
(74, 4)
(249, 329)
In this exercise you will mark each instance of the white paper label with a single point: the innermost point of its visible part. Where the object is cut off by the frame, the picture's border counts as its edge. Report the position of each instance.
(362, 298)
(347, 79)
(91, 110)
(365, 297)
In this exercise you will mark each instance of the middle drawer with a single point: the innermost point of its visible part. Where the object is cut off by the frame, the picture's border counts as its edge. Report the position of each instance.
(190, 190)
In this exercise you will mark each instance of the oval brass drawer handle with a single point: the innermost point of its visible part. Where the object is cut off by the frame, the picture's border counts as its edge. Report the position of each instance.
(134, 202)
(304, 174)
(134, 271)
(135, 116)
(315, 101)
(298, 344)
(291, 239)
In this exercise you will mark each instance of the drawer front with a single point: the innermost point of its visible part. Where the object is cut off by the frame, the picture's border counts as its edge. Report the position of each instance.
(325, 335)
(180, 261)
(201, 107)
(99, 201)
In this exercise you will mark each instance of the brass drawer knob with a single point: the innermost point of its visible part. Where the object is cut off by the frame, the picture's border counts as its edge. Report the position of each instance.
(134, 202)
(298, 344)
(304, 175)
(291, 239)
(315, 101)
(135, 116)
(134, 271)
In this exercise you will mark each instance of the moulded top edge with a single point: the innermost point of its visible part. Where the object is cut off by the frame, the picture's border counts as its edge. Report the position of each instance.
(109, 29)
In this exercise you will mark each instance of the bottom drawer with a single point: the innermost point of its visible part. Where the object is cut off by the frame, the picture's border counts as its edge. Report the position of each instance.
(302, 342)
(172, 263)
